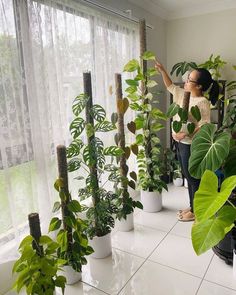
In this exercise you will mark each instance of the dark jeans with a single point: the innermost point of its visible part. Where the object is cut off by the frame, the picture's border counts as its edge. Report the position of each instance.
(183, 154)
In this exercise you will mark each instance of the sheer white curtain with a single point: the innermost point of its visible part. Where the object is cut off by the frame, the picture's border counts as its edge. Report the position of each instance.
(45, 46)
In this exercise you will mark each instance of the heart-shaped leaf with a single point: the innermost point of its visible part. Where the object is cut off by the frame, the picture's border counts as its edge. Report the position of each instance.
(196, 113)
(134, 149)
(172, 110)
(122, 105)
(190, 127)
(131, 184)
(133, 175)
(131, 127)
(177, 125)
(131, 66)
(127, 152)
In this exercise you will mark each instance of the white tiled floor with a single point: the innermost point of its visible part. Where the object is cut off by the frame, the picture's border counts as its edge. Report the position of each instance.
(156, 258)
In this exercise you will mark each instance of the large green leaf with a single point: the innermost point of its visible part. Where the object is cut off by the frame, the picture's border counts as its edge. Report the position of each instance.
(74, 148)
(79, 104)
(172, 110)
(230, 162)
(208, 150)
(196, 113)
(104, 126)
(77, 127)
(148, 55)
(131, 66)
(113, 151)
(208, 233)
(208, 200)
(98, 113)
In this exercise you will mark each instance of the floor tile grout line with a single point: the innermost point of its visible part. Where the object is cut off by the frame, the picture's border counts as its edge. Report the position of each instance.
(179, 270)
(146, 259)
(204, 275)
(220, 285)
(95, 288)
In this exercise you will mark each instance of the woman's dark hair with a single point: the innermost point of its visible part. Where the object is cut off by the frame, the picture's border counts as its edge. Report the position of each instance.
(206, 81)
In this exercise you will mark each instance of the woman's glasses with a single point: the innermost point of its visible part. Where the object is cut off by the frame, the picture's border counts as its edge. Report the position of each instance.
(192, 81)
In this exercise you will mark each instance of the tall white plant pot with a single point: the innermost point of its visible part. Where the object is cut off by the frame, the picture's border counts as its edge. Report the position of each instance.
(72, 276)
(234, 263)
(152, 201)
(125, 224)
(101, 246)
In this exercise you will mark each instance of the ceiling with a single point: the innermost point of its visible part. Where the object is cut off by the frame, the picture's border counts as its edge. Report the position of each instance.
(173, 9)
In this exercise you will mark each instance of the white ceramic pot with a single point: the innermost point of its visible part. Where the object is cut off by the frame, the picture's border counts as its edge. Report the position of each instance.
(101, 246)
(185, 183)
(152, 201)
(234, 263)
(72, 276)
(125, 224)
(178, 181)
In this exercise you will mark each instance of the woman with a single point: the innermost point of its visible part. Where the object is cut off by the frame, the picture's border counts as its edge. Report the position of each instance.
(198, 82)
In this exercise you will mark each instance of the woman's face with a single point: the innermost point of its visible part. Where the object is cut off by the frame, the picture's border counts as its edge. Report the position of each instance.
(191, 83)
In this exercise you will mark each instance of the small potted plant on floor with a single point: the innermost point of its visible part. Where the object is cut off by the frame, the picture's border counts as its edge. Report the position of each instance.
(177, 177)
(146, 124)
(38, 265)
(89, 158)
(71, 230)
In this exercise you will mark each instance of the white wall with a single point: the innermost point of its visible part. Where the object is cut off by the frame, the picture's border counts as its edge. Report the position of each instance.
(195, 38)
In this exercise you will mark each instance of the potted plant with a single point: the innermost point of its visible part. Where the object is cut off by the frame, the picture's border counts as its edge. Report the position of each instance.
(146, 125)
(88, 157)
(217, 152)
(177, 177)
(168, 164)
(71, 230)
(38, 266)
(183, 68)
(182, 123)
(214, 65)
(125, 204)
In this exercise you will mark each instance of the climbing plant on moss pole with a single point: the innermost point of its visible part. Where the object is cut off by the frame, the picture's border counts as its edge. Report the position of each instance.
(208, 150)
(141, 95)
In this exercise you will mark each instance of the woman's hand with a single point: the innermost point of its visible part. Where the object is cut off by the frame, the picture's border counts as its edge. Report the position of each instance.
(159, 66)
(178, 136)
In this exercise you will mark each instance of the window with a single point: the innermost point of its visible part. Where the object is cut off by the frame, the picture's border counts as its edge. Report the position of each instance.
(45, 47)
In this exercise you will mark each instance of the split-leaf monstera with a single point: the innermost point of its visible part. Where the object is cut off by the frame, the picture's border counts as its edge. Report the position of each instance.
(89, 158)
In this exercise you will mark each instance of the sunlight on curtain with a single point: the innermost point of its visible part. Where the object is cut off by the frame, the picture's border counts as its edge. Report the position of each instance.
(45, 47)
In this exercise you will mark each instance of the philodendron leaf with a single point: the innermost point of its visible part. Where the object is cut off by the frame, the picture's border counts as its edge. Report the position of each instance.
(172, 110)
(131, 82)
(131, 66)
(208, 150)
(74, 206)
(122, 105)
(54, 224)
(148, 55)
(151, 83)
(230, 162)
(177, 125)
(114, 118)
(131, 127)
(207, 200)
(196, 113)
(190, 127)
(210, 232)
